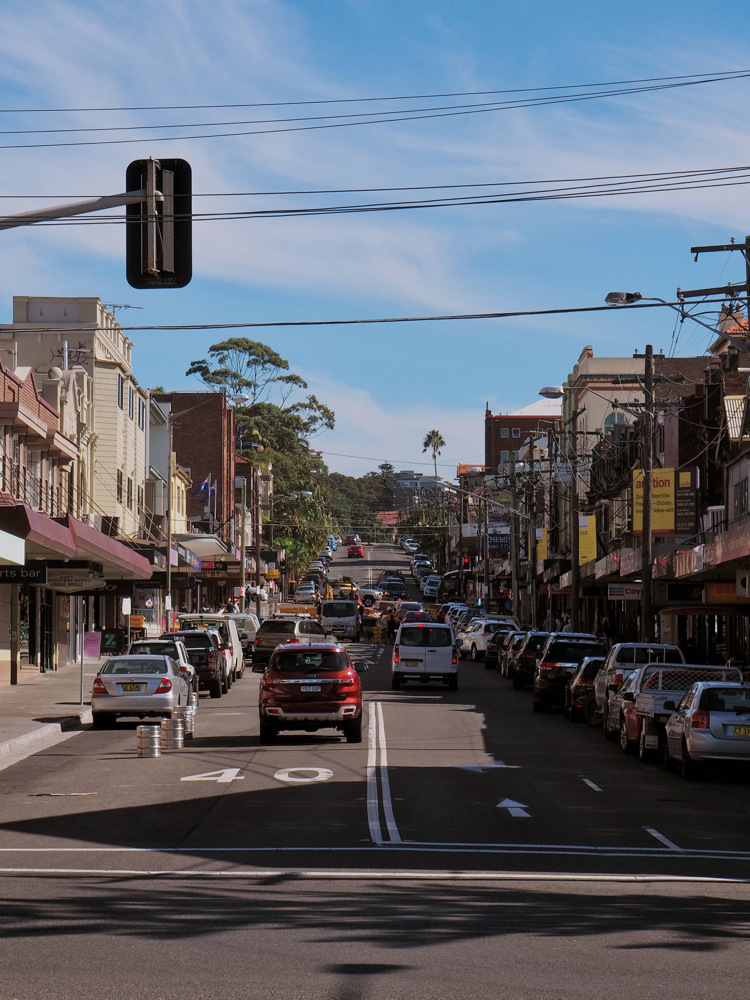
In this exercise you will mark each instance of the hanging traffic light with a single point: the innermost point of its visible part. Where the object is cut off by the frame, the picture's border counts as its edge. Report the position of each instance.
(158, 230)
(467, 562)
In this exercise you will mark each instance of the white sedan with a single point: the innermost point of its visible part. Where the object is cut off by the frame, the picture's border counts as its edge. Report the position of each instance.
(137, 686)
(711, 723)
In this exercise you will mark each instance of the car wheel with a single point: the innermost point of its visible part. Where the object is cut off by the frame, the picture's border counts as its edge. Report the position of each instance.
(625, 744)
(453, 683)
(353, 731)
(396, 682)
(368, 601)
(667, 760)
(591, 711)
(518, 682)
(102, 720)
(224, 684)
(215, 688)
(566, 705)
(268, 731)
(689, 767)
(475, 654)
(230, 679)
(609, 734)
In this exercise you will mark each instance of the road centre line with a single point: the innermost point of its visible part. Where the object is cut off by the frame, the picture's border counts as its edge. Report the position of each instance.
(587, 781)
(385, 785)
(370, 875)
(662, 839)
(373, 812)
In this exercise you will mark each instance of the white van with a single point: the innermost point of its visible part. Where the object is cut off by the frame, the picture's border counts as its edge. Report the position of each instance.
(425, 652)
(341, 618)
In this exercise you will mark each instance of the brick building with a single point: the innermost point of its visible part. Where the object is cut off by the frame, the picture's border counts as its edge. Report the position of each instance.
(507, 434)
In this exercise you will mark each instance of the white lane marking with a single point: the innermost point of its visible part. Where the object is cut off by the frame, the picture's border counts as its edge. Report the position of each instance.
(662, 839)
(517, 809)
(223, 777)
(7, 760)
(373, 813)
(369, 875)
(590, 783)
(316, 774)
(385, 784)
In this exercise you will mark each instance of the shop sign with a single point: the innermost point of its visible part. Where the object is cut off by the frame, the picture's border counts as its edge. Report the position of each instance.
(662, 502)
(586, 538)
(498, 538)
(190, 558)
(72, 580)
(608, 565)
(271, 574)
(35, 572)
(542, 545)
(630, 561)
(724, 593)
(623, 592)
(92, 644)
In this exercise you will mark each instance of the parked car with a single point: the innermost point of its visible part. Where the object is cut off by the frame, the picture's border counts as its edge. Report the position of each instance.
(622, 659)
(205, 653)
(579, 691)
(167, 647)
(511, 645)
(710, 724)
(526, 657)
(494, 647)
(304, 594)
(557, 661)
(140, 686)
(356, 552)
(411, 547)
(286, 630)
(473, 641)
(445, 608)
(309, 688)
(430, 587)
(370, 596)
(230, 638)
(393, 590)
(405, 607)
(423, 653)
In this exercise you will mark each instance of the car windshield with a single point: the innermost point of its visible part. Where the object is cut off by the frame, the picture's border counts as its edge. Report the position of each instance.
(535, 641)
(196, 641)
(339, 609)
(277, 627)
(420, 636)
(573, 652)
(155, 649)
(726, 699)
(135, 666)
(311, 660)
(244, 623)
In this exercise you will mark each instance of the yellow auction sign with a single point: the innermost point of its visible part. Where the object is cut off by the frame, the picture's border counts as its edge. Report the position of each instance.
(662, 501)
(586, 538)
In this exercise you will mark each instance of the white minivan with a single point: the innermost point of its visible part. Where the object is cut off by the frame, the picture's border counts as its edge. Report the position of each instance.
(341, 618)
(424, 652)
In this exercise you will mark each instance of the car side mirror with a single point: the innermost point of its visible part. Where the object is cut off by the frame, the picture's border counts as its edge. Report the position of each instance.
(669, 706)
(361, 667)
(259, 668)
(628, 696)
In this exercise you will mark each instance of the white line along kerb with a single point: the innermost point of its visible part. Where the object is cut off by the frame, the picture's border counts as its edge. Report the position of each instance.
(302, 775)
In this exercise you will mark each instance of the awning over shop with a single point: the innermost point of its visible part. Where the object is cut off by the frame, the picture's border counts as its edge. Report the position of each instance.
(12, 550)
(45, 537)
(204, 546)
(118, 561)
(706, 609)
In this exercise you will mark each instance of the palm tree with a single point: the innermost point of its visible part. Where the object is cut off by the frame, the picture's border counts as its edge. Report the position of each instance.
(433, 442)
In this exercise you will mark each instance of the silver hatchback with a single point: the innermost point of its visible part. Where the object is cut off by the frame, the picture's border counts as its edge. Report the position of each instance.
(711, 723)
(137, 686)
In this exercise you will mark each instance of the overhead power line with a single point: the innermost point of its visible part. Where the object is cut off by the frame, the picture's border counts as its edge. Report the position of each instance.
(410, 115)
(697, 77)
(69, 328)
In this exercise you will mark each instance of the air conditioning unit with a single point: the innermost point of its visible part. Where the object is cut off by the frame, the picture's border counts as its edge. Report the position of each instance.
(742, 583)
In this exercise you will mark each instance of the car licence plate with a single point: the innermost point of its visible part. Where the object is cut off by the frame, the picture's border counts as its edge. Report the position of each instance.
(412, 663)
(309, 687)
(131, 687)
(742, 730)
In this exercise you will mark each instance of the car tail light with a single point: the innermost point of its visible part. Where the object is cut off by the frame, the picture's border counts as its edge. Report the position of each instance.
(293, 641)
(548, 665)
(165, 685)
(619, 678)
(258, 641)
(455, 659)
(395, 654)
(346, 682)
(701, 719)
(98, 687)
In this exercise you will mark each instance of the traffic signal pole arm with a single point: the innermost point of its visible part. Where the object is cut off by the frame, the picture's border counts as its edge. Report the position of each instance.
(73, 208)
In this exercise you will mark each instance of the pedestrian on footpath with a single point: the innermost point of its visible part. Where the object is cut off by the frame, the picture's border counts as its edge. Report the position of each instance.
(392, 626)
(548, 624)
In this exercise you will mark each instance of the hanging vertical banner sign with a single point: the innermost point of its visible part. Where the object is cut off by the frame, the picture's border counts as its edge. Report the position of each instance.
(541, 544)
(586, 538)
(685, 507)
(662, 502)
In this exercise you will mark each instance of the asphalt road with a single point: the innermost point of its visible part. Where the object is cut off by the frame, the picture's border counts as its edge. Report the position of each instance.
(390, 869)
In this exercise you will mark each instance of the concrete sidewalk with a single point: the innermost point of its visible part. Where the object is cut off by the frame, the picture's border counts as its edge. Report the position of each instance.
(44, 705)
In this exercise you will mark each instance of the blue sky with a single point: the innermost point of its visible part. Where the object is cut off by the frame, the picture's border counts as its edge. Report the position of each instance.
(387, 385)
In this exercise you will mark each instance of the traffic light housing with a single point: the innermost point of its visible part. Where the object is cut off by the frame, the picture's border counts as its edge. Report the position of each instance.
(467, 562)
(159, 227)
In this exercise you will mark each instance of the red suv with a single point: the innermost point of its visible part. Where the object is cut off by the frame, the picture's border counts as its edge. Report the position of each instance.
(310, 688)
(356, 550)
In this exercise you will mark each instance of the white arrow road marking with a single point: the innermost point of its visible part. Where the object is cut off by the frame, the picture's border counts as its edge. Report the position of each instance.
(481, 768)
(514, 808)
(587, 781)
(295, 774)
(224, 777)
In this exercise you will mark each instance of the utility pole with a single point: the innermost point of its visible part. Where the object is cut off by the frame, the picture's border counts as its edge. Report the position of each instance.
(575, 540)
(243, 537)
(170, 474)
(532, 536)
(485, 598)
(258, 526)
(514, 539)
(647, 611)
